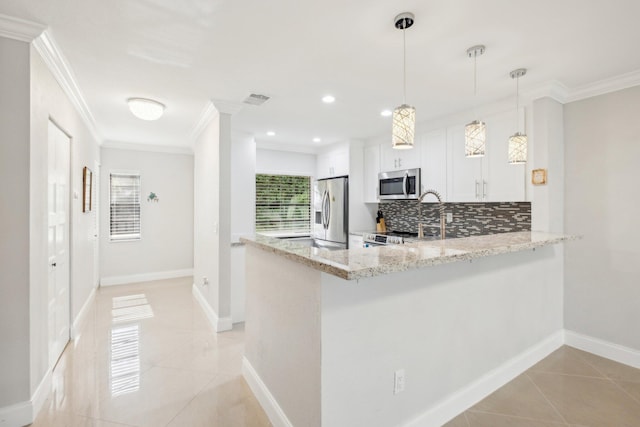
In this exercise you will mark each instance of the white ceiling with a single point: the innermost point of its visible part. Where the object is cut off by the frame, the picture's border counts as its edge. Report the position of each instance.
(185, 53)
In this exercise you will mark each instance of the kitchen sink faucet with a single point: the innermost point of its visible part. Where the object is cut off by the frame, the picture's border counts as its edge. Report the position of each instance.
(442, 214)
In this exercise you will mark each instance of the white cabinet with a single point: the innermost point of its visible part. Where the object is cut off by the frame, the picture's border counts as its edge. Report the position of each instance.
(484, 179)
(392, 159)
(370, 176)
(333, 163)
(433, 162)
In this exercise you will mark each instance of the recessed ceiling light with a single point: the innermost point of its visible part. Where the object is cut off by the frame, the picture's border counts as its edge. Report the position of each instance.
(386, 113)
(271, 133)
(316, 139)
(328, 99)
(145, 109)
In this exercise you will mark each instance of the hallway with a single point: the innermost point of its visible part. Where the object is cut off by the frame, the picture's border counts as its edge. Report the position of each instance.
(146, 356)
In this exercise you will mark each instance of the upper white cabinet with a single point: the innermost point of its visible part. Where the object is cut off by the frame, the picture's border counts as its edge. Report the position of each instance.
(433, 162)
(392, 159)
(484, 179)
(370, 175)
(333, 163)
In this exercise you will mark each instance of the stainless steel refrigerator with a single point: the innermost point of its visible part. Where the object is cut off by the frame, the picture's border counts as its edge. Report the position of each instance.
(331, 212)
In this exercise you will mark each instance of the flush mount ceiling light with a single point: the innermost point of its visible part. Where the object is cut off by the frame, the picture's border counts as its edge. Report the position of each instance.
(386, 113)
(328, 99)
(518, 141)
(404, 117)
(145, 109)
(475, 133)
(271, 133)
(316, 139)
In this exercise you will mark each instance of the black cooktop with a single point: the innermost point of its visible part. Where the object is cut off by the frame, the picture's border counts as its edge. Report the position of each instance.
(399, 233)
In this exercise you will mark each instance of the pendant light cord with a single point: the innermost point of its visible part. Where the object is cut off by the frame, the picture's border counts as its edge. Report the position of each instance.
(517, 104)
(475, 75)
(404, 64)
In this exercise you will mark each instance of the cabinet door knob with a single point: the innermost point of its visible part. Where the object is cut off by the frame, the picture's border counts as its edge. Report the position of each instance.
(53, 264)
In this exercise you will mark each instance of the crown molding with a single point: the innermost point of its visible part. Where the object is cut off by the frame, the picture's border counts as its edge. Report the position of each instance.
(208, 113)
(56, 62)
(553, 89)
(227, 107)
(277, 146)
(131, 146)
(600, 87)
(20, 29)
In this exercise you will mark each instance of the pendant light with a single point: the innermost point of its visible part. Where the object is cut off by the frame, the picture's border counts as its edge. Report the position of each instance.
(518, 141)
(475, 133)
(404, 117)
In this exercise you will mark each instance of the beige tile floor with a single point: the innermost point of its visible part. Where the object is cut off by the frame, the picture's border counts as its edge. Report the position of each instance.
(568, 388)
(146, 356)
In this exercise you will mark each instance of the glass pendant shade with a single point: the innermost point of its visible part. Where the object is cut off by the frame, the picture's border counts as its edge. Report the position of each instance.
(518, 148)
(475, 135)
(404, 125)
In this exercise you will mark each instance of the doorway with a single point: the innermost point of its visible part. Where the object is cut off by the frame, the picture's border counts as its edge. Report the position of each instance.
(59, 162)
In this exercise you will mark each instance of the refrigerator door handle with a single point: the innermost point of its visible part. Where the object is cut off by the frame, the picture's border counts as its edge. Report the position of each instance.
(328, 215)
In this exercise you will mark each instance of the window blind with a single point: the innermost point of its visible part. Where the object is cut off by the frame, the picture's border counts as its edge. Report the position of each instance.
(125, 206)
(283, 203)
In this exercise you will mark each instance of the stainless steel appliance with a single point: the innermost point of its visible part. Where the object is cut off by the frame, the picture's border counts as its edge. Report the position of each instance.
(331, 212)
(386, 238)
(403, 184)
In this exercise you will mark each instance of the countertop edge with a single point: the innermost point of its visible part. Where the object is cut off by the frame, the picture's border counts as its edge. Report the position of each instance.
(449, 249)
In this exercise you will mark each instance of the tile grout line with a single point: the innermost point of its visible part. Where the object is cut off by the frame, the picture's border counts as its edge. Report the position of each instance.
(546, 398)
(520, 417)
(607, 376)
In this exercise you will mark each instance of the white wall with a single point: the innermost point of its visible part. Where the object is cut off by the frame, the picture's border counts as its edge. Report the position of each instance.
(243, 197)
(602, 137)
(14, 223)
(212, 217)
(285, 163)
(166, 226)
(446, 326)
(49, 101)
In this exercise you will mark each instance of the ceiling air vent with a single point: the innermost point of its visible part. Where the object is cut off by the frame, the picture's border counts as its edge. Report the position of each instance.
(256, 99)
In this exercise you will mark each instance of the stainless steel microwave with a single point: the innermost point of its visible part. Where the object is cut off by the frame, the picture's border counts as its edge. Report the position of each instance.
(403, 184)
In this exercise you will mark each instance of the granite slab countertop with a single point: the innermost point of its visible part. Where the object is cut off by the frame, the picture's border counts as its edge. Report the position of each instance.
(358, 263)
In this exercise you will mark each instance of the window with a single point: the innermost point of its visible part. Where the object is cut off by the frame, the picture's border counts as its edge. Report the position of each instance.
(283, 204)
(124, 189)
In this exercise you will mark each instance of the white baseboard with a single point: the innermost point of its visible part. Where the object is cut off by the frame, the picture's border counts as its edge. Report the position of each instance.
(609, 350)
(459, 401)
(41, 394)
(267, 401)
(23, 413)
(145, 277)
(81, 316)
(17, 415)
(219, 324)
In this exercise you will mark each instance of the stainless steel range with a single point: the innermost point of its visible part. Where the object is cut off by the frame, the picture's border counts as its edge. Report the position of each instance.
(387, 238)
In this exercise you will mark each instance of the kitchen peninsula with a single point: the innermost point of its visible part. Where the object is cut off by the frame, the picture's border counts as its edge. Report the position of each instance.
(401, 335)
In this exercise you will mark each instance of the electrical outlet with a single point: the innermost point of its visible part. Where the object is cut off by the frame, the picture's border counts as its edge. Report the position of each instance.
(449, 217)
(398, 381)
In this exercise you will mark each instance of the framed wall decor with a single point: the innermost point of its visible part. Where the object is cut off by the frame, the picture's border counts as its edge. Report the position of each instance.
(87, 183)
(539, 176)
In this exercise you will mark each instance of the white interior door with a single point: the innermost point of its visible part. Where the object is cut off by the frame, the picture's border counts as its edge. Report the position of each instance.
(59, 148)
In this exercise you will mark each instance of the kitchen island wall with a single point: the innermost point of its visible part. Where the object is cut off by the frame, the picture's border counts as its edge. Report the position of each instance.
(469, 219)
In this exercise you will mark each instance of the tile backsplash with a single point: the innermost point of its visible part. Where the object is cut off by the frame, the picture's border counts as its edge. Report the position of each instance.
(469, 219)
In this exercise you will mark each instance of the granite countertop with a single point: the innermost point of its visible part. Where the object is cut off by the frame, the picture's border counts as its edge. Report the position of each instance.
(358, 263)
